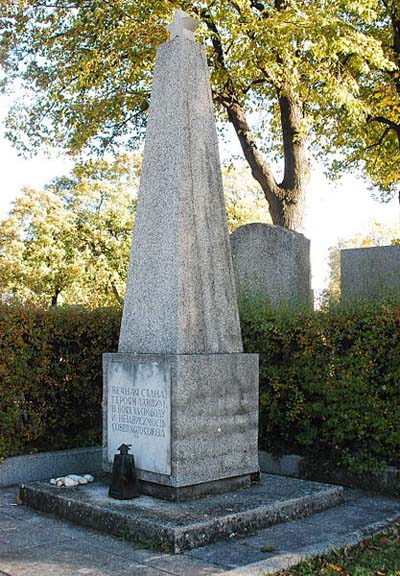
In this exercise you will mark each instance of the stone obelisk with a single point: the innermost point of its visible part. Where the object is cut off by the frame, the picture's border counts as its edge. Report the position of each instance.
(180, 389)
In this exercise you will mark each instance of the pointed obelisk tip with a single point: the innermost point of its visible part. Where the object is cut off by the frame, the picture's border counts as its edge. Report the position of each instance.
(183, 25)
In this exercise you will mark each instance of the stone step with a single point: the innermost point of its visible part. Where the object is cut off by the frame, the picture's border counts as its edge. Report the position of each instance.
(176, 527)
(283, 546)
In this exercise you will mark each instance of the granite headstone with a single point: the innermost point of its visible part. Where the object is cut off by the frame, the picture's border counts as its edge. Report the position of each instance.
(272, 263)
(370, 273)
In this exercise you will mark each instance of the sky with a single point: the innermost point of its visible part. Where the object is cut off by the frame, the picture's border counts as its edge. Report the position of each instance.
(333, 211)
(340, 211)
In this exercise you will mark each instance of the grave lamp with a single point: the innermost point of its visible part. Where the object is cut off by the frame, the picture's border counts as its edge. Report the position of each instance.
(124, 480)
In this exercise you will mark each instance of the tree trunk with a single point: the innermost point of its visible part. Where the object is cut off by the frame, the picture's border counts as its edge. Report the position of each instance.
(395, 19)
(286, 199)
(116, 293)
(54, 298)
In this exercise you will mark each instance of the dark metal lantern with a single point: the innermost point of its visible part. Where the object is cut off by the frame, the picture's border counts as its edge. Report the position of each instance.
(123, 480)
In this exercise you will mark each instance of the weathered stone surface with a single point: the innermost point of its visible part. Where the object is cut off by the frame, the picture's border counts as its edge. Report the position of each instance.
(180, 295)
(287, 465)
(45, 465)
(180, 390)
(272, 263)
(211, 415)
(387, 481)
(183, 526)
(139, 412)
(370, 273)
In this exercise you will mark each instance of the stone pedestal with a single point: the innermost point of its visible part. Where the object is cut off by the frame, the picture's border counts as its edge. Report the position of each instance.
(184, 526)
(191, 420)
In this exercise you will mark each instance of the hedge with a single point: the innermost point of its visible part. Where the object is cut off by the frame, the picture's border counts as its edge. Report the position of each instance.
(51, 377)
(329, 380)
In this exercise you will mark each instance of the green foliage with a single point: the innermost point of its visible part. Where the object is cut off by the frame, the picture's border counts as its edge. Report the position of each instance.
(51, 377)
(366, 127)
(329, 382)
(70, 242)
(244, 199)
(86, 70)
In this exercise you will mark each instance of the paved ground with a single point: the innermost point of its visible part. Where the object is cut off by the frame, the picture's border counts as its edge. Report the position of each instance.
(32, 544)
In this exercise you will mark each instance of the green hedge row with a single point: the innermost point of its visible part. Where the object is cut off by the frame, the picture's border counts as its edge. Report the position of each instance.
(51, 377)
(329, 380)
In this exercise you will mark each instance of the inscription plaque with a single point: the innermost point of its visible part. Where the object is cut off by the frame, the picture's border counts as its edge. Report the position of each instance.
(139, 413)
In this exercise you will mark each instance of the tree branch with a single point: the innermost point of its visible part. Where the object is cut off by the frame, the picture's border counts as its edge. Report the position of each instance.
(382, 120)
(254, 83)
(379, 142)
(259, 168)
(116, 293)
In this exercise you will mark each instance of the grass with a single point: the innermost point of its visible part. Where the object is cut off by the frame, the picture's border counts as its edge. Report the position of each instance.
(378, 556)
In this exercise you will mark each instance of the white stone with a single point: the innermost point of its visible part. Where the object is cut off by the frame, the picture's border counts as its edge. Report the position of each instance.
(70, 482)
(53, 481)
(183, 25)
(151, 443)
(60, 483)
(74, 476)
(89, 477)
(83, 480)
(60, 479)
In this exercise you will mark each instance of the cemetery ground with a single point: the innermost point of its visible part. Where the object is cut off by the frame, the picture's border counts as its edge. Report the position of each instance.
(359, 537)
(32, 543)
(185, 387)
(379, 555)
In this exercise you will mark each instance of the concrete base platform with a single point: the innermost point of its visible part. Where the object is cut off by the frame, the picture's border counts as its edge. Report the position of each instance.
(185, 493)
(174, 527)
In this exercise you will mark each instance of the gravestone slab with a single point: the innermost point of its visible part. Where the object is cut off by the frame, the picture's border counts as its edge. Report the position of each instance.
(272, 263)
(370, 273)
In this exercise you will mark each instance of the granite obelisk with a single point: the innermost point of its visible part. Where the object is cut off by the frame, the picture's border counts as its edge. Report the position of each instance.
(180, 389)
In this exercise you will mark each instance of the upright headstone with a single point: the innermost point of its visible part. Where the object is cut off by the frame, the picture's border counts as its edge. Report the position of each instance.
(180, 389)
(370, 273)
(272, 263)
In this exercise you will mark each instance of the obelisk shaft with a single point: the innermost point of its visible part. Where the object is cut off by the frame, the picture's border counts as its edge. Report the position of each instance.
(180, 294)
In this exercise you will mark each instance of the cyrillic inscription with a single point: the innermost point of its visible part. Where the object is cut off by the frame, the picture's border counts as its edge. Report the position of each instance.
(139, 413)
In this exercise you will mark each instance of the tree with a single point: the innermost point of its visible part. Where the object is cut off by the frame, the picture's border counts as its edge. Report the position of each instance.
(70, 242)
(370, 138)
(308, 68)
(378, 235)
(38, 258)
(244, 200)
(72, 239)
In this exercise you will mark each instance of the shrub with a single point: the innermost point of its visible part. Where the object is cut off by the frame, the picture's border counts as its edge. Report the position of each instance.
(51, 377)
(329, 382)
